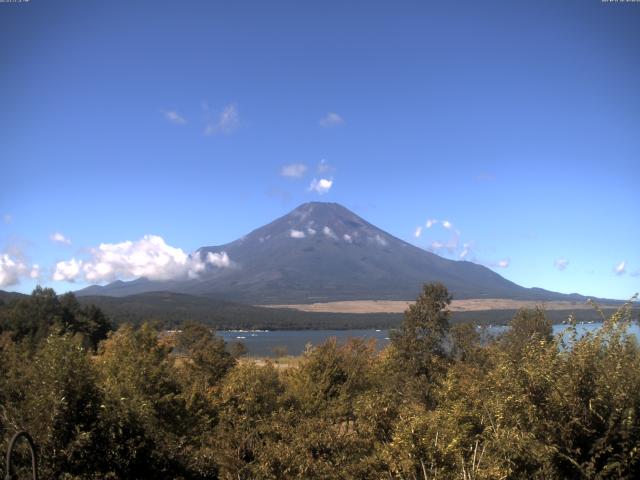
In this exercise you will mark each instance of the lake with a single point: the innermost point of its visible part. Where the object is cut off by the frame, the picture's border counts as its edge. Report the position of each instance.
(263, 343)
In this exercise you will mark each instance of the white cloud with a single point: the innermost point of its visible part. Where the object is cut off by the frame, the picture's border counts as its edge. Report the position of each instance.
(380, 240)
(561, 263)
(295, 170)
(11, 270)
(58, 237)
(311, 231)
(331, 119)
(14, 266)
(436, 245)
(34, 274)
(217, 259)
(6, 218)
(321, 186)
(621, 268)
(67, 270)
(504, 263)
(148, 257)
(418, 232)
(329, 233)
(347, 238)
(453, 245)
(296, 234)
(227, 122)
(174, 117)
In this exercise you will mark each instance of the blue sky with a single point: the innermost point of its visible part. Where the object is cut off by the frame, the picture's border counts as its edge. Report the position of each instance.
(517, 122)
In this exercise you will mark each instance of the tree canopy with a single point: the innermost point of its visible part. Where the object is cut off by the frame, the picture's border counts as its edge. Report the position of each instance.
(436, 403)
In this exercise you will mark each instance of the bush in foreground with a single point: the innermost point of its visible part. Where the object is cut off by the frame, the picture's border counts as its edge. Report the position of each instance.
(435, 404)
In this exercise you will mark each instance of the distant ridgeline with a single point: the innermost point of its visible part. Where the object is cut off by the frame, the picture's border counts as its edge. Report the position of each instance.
(173, 309)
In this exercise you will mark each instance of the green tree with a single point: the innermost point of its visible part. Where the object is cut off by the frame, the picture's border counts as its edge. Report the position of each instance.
(465, 344)
(88, 321)
(419, 345)
(528, 325)
(249, 397)
(145, 423)
(54, 396)
(208, 359)
(34, 317)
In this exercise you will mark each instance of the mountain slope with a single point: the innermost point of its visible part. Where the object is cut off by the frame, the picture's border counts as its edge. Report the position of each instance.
(324, 252)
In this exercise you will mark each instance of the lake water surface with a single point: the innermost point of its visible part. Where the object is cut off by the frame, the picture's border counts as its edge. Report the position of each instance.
(263, 343)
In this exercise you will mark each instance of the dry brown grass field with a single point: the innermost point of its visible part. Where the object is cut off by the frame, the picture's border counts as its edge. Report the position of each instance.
(393, 306)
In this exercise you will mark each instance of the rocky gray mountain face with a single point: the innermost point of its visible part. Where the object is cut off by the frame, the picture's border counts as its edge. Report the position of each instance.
(323, 252)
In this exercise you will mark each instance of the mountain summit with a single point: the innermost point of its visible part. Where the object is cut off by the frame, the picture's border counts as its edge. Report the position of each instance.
(323, 252)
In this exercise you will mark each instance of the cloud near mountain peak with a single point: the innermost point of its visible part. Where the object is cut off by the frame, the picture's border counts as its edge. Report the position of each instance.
(150, 257)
